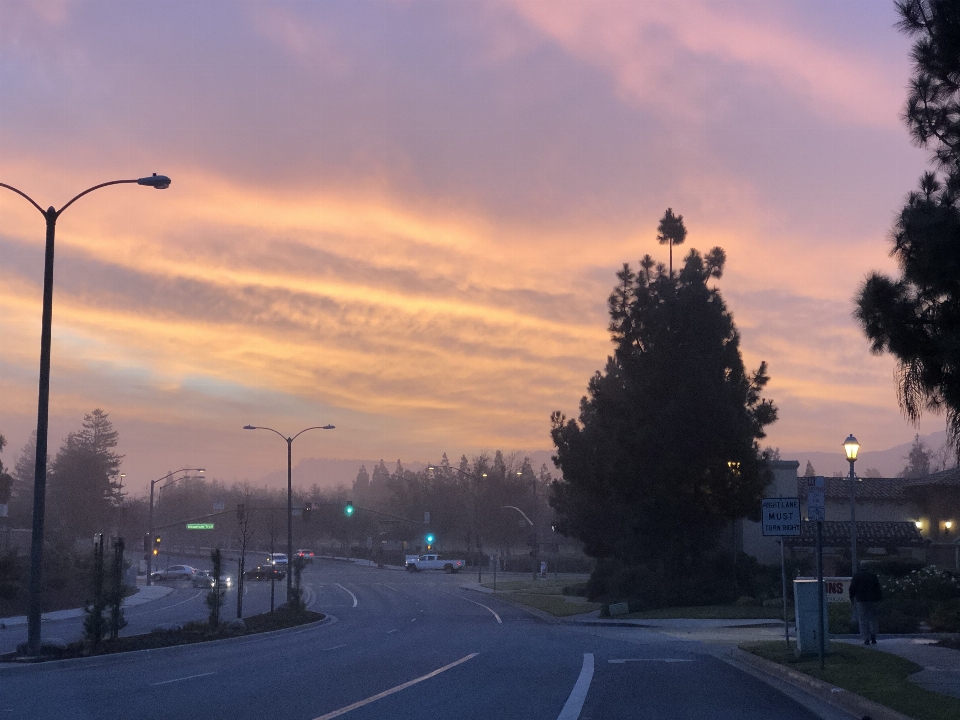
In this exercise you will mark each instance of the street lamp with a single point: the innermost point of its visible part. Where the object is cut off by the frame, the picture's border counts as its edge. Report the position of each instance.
(851, 447)
(150, 522)
(289, 490)
(160, 182)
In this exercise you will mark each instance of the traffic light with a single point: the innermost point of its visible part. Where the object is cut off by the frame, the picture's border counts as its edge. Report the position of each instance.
(307, 511)
(430, 539)
(348, 508)
(156, 545)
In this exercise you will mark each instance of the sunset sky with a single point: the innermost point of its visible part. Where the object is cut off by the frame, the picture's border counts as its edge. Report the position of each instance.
(404, 218)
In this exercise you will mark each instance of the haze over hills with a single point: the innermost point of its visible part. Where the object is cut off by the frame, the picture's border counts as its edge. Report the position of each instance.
(888, 462)
(331, 472)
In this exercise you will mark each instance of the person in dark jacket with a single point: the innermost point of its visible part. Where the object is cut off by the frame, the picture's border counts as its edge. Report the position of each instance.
(865, 591)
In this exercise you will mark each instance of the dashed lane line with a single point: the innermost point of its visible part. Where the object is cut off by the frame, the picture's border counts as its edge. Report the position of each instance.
(396, 689)
(189, 677)
(621, 661)
(573, 706)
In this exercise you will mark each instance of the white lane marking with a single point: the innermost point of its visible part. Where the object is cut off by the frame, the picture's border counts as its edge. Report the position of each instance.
(189, 677)
(480, 604)
(571, 710)
(389, 632)
(666, 660)
(167, 607)
(391, 691)
(351, 594)
(389, 586)
(335, 647)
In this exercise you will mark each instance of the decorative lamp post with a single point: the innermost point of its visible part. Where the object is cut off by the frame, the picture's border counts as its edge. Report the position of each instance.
(851, 447)
(289, 441)
(51, 215)
(150, 542)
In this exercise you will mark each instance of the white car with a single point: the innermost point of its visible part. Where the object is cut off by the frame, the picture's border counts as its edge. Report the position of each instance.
(175, 572)
(278, 559)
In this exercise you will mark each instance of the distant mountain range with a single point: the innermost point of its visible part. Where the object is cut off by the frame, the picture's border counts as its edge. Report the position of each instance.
(330, 472)
(889, 462)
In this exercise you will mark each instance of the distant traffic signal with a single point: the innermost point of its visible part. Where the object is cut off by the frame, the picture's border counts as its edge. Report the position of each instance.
(430, 538)
(156, 545)
(348, 508)
(307, 511)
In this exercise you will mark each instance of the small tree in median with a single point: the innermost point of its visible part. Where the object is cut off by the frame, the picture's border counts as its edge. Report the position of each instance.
(216, 595)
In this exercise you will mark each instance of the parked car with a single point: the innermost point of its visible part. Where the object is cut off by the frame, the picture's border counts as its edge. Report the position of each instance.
(204, 579)
(175, 572)
(265, 572)
(277, 559)
(305, 555)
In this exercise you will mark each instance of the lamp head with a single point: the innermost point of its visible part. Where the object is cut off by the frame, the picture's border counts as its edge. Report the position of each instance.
(158, 182)
(851, 447)
(249, 427)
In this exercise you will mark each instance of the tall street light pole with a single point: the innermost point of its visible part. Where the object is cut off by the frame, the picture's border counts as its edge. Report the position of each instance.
(289, 441)
(851, 447)
(50, 215)
(150, 547)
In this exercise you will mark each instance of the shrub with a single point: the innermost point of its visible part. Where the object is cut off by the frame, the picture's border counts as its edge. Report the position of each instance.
(929, 583)
(894, 566)
(945, 616)
(746, 601)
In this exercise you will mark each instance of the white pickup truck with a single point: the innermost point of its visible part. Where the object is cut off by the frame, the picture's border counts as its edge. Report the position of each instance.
(416, 563)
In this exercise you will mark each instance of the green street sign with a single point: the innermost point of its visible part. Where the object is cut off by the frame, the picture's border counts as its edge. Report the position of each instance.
(199, 526)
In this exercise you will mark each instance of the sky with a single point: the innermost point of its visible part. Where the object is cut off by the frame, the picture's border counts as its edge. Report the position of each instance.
(404, 218)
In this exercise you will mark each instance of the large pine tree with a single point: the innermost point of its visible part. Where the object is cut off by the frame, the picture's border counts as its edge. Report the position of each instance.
(665, 453)
(917, 316)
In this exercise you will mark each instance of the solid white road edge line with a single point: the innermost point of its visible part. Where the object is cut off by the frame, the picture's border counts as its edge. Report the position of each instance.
(571, 710)
(189, 677)
(480, 604)
(351, 594)
(665, 660)
(398, 688)
(165, 607)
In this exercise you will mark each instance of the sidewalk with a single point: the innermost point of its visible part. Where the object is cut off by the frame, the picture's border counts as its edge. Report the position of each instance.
(144, 594)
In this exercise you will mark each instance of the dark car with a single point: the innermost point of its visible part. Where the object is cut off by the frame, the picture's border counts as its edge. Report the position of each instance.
(305, 555)
(175, 572)
(265, 572)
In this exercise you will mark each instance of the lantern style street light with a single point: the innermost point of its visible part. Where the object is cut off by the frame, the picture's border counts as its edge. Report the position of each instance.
(51, 214)
(851, 447)
(289, 441)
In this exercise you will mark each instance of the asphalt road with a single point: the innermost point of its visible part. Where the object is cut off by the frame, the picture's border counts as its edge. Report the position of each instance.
(399, 646)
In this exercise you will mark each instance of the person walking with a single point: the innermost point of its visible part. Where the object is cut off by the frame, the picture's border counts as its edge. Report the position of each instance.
(866, 593)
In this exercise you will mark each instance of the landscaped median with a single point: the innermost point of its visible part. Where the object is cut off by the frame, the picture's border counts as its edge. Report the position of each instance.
(189, 633)
(875, 675)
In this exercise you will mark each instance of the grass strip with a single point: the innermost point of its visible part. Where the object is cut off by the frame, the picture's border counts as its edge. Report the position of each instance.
(553, 604)
(876, 675)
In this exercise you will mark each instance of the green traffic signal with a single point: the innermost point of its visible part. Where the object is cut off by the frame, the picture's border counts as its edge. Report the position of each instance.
(348, 509)
(430, 538)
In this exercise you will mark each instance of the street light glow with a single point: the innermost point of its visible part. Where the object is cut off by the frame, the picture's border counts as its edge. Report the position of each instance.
(851, 447)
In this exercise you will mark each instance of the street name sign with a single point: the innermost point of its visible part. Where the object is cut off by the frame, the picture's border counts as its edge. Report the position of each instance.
(780, 517)
(816, 499)
(199, 526)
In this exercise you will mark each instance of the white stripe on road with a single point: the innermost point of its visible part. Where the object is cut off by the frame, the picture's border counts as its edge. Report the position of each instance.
(189, 677)
(166, 607)
(351, 594)
(480, 604)
(667, 660)
(392, 631)
(335, 647)
(391, 691)
(571, 710)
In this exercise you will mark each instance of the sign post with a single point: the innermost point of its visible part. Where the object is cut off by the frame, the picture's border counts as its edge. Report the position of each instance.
(780, 517)
(817, 511)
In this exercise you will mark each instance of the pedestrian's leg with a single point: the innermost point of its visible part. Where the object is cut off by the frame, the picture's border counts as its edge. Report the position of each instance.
(864, 622)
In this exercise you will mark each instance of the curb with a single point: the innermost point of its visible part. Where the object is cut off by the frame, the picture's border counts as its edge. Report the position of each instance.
(831, 694)
(71, 613)
(14, 668)
(539, 614)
